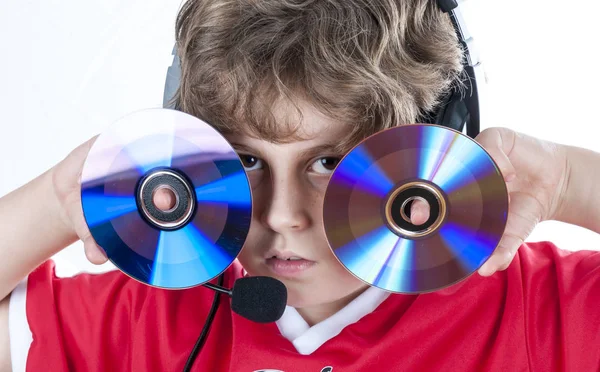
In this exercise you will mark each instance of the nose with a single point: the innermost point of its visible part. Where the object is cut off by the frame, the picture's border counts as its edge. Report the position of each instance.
(287, 205)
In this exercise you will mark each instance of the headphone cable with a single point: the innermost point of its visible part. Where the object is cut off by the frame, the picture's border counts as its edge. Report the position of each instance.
(205, 329)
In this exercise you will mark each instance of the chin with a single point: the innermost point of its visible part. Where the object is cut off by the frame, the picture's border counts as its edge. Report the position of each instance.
(320, 287)
(299, 298)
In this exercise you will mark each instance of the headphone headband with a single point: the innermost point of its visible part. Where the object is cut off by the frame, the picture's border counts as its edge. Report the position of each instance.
(458, 109)
(463, 109)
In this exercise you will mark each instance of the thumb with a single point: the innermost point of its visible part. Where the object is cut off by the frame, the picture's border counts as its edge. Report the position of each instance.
(93, 252)
(523, 216)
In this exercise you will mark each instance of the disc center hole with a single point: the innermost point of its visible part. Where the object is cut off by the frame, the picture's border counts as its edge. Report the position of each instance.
(165, 198)
(421, 209)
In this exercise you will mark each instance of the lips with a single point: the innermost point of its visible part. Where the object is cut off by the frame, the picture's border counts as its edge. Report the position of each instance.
(287, 255)
(288, 264)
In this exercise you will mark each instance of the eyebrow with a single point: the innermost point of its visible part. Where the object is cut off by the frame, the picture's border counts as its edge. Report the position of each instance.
(310, 152)
(241, 147)
(324, 148)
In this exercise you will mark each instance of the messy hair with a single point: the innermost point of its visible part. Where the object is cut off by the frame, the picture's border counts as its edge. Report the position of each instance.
(370, 65)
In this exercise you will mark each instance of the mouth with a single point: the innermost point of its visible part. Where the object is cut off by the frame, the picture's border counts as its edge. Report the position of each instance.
(288, 264)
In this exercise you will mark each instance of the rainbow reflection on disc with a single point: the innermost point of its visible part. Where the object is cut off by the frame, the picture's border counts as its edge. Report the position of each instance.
(197, 237)
(366, 211)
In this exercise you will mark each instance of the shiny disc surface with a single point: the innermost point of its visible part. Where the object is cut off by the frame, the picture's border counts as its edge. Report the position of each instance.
(377, 179)
(133, 156)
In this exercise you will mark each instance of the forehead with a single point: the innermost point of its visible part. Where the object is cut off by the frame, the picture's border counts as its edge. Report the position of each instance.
(309, 121)
(314, 134)
(299, 123)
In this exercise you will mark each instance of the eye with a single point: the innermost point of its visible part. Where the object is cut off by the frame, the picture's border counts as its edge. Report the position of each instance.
(251, 162)
(325, 165)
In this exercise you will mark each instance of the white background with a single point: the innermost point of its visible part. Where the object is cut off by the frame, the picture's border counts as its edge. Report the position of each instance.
(69, 68)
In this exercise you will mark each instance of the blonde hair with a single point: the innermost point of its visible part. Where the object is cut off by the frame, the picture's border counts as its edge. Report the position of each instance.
(370, 65)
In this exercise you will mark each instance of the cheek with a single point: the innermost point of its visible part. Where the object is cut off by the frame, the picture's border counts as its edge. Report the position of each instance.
(331, 284)
(251, 253)
(320, 183)
(260, 191)
(337, 273)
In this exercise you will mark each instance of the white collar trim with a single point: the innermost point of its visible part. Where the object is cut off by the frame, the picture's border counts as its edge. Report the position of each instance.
(308, 339)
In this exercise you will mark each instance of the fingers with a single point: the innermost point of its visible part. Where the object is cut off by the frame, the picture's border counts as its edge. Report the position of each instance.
(498, 142)
(67, 185)
(67, 174)
(419, 212)
(164, 199)
(93, 252)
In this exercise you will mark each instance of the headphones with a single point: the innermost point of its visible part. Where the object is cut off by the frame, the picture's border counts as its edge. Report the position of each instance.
(459, 109)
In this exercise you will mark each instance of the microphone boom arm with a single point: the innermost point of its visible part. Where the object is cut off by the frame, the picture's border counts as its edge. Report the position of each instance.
(218, 289)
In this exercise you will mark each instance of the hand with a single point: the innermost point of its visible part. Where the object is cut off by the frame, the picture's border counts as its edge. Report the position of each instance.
(535, 174)
(66, 179)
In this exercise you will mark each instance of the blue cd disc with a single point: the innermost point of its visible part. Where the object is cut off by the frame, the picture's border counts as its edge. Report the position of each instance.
(201, 233)
(366, 210)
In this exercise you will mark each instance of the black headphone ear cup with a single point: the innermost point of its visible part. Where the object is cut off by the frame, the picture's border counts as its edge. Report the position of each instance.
(435, 115)
(454, 114)
(172, 81)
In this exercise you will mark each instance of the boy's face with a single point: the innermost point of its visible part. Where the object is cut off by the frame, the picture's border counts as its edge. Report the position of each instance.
(288, 185)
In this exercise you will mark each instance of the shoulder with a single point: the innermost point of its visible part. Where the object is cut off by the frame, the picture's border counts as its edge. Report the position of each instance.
(74, 318)
(568, 266)
(560, 291)
(98, 291)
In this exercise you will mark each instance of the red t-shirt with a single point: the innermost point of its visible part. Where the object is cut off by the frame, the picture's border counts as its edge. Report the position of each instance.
(542, 314)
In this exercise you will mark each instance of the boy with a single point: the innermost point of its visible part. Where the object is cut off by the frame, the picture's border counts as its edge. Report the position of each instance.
(292, 85)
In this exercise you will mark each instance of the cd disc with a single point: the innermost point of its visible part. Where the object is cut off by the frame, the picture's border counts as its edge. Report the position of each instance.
(204, 229)
(366, 211)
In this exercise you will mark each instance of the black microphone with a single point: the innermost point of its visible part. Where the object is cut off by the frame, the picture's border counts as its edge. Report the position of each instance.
(261, 299)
